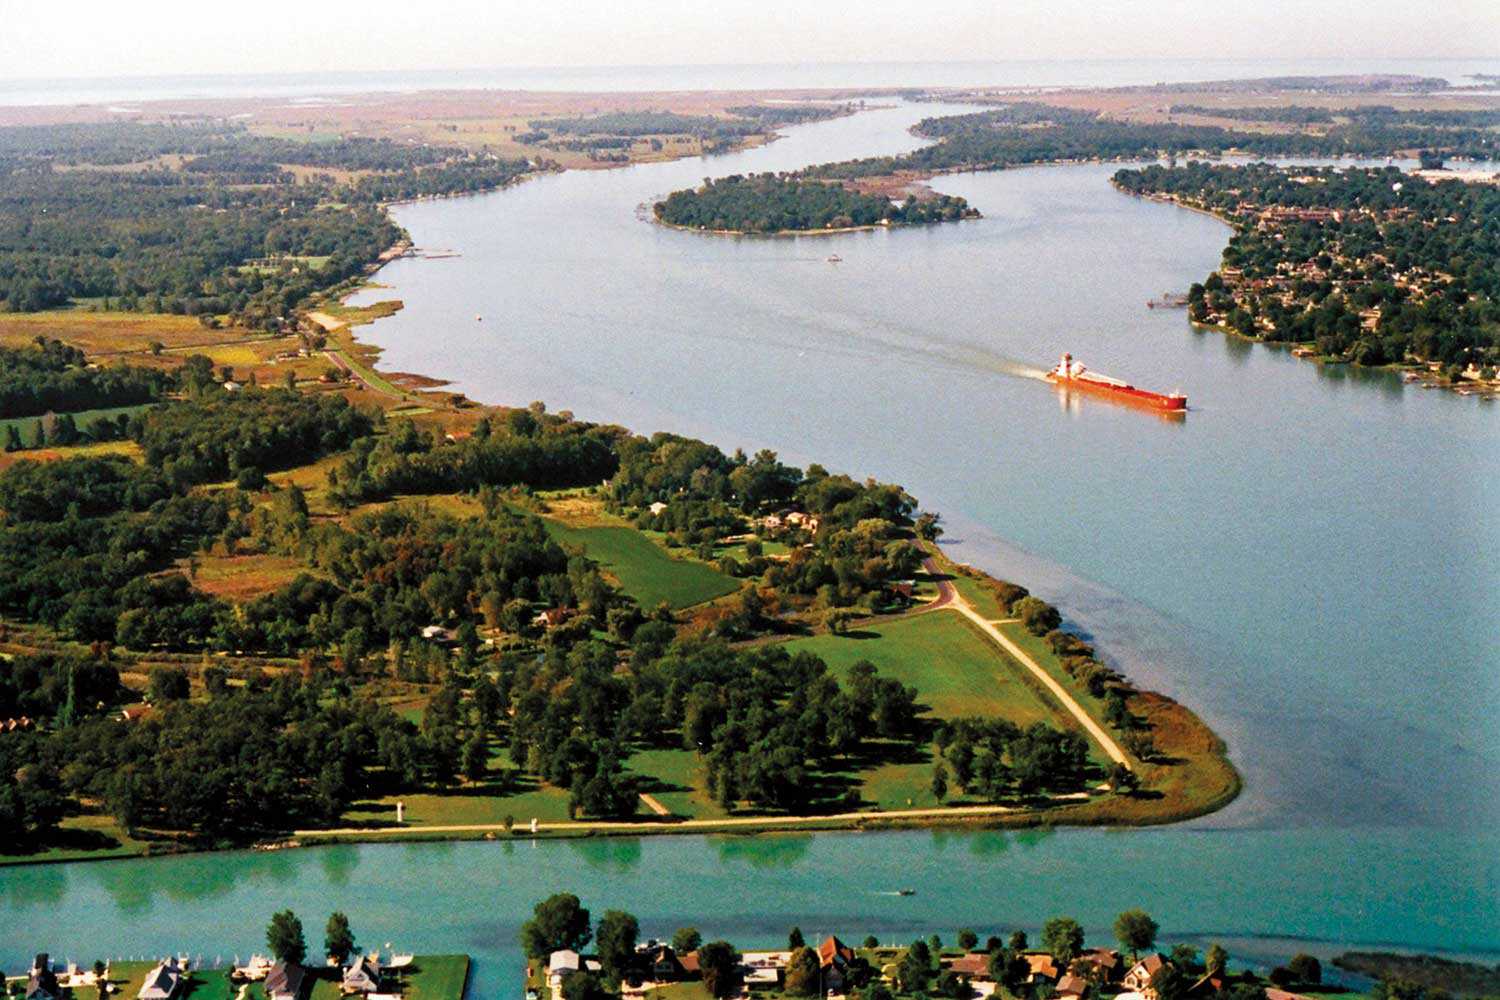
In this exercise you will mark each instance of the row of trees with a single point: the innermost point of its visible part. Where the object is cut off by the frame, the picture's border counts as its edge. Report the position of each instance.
(49, 375)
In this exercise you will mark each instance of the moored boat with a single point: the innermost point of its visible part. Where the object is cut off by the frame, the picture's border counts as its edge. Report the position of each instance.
(1072, 375)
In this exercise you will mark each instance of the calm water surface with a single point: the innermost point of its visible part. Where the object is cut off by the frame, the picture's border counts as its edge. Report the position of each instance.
(1307, 559)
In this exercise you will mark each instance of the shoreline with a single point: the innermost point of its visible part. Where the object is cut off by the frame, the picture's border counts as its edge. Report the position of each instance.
(1099, 811)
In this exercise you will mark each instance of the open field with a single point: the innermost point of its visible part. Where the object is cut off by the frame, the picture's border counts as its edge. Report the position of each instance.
(643, 569)
(956, 671)
(244, 577)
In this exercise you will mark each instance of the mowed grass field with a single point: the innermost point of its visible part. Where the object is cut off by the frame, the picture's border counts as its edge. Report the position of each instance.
(956, 671)
(83, 418)
(644, 569)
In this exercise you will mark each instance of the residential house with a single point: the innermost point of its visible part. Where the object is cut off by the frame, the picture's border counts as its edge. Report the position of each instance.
(439, 635)
(764, 969)
(657, 508)
(834, 957)
(1138, 979)
(974, 965)
(1101, 964)
(562, 964)
(552, 617)
(287, 981)
(362, 976)
(660, 964)
(134, 713)
(1043, 967)
(162, 982)
(41, 984)
(1071, 986)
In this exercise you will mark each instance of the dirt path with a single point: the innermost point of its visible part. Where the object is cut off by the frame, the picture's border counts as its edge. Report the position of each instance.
(655, 805)
(650, 825)
(948, 596)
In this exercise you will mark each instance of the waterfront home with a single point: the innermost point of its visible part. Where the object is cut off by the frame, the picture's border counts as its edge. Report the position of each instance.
(287, 981)
(834, 957)
(659, 963)
(1138, 979)
(561, 964)
(362, 976)
(162, 982)
(763, 969)
(1042, 967)
(1105, 961)
(1071, 986)
(974, 965)
(41, 984)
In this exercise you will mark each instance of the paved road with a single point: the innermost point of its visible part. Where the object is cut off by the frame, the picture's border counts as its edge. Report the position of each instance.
(948, 596)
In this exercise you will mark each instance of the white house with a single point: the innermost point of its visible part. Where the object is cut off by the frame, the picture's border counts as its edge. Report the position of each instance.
(162, 982)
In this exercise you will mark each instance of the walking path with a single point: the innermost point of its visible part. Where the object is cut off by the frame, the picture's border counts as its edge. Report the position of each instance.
(948, 596)
(650, 825)
(654, 804)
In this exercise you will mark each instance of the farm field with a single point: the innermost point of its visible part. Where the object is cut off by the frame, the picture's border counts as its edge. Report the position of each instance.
(644, 569)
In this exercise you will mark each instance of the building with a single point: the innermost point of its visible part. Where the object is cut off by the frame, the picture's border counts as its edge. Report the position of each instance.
(974, 965)
(1138, 979)
(287, 981)
(1072, 986)
(362, 976)
(657, 508)
(1105, 961)
(1042, 966)
(162, 982)
(659, 964)
(834, 957)
(561, 964)
(763, 969)
(41, 984)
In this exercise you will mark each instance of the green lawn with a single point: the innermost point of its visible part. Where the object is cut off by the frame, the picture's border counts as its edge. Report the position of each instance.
(83, 418)
(644, 569)
(955, 670)
(437, 977)
(89, 837)
(678, 769)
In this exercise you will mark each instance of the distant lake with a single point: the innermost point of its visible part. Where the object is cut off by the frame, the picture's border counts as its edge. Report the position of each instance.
(1308, 559)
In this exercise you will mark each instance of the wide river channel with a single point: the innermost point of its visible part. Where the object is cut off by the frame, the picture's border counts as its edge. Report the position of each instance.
(1308, 559)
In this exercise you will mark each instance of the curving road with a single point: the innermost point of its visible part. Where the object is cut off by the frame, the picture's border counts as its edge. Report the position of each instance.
(949, 597)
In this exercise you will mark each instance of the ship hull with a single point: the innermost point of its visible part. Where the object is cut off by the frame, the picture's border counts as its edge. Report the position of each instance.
(1123, 393)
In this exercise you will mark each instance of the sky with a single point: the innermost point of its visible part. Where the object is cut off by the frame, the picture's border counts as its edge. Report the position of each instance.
(103, 38)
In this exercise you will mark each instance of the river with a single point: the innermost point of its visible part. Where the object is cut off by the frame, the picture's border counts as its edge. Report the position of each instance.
(1307, 559)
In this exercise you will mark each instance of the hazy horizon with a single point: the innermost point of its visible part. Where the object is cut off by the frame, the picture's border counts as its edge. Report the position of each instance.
(64, 41)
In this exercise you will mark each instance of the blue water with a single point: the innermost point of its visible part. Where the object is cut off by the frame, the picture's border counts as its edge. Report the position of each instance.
(1306, 559)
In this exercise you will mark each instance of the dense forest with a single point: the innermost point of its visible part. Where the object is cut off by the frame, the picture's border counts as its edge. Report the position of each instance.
(1028, 132)
(104, 550)
(1372, 265)
(165, 218)
(771, 203)
(49, 375)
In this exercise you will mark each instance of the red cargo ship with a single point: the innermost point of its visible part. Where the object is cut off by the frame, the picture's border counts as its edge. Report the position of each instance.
(1073, 375)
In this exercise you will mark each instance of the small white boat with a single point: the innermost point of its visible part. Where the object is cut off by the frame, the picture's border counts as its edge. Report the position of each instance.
(478, 319)
(400, 961)
(834, 258)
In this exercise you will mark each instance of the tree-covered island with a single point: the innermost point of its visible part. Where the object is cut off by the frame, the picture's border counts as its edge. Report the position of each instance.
(781, 203)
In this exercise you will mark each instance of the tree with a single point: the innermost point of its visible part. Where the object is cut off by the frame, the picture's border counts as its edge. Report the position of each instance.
(871, 941)
(1306, 968)
(476, 758)
(167, 684)
(1135, 931)
(284, 937)
(558, 922)
(802, 971)
(1216, 959)
(686, 940)
(967, 939)
(583, 985)
(939, 781)
(1063, 938)
(915, 970)
(1017, 941)
(615, 942)
(794, 939)
(338, 939)
(1036, 615)
(1168, 983)
(718, 963)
